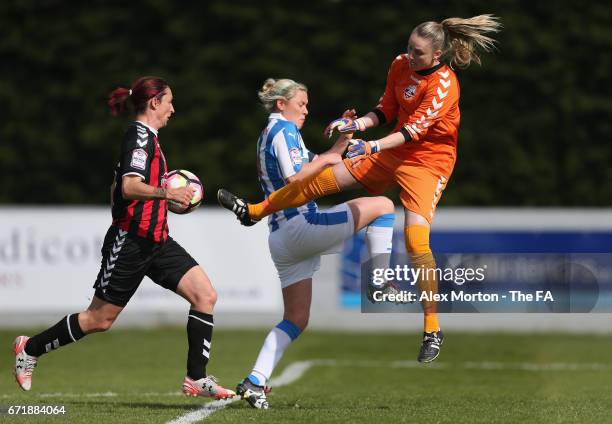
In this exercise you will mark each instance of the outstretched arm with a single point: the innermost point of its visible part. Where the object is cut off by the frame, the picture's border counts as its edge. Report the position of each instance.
(322, 161)
(349, 123)
(319, 163)
(135, 189)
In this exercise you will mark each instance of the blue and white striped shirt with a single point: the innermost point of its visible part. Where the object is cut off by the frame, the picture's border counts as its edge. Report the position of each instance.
(280, 154)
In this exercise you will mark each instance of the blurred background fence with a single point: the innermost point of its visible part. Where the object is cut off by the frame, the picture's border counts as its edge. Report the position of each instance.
(536, 116)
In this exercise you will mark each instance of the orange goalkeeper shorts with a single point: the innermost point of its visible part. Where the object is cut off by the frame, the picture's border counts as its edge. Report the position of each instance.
(421, 188)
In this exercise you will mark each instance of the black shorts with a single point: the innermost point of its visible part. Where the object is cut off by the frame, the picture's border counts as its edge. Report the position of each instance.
(127, 259)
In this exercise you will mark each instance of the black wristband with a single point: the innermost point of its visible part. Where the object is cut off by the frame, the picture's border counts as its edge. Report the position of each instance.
(406, 135)
(381, 116)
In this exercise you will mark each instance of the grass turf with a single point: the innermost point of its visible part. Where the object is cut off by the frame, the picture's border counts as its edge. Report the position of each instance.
(133, 376)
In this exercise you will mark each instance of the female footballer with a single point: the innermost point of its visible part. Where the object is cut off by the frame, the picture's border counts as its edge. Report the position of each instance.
(300, 235)
(422, 93)
(136, 245)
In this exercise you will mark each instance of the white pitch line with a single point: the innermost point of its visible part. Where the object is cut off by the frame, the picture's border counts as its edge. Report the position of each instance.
(291, 373)
(205, 411)
(294, 372)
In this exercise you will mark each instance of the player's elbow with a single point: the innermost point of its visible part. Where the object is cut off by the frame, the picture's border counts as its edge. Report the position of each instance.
(128, 188)
(125, 192)
(331, 159)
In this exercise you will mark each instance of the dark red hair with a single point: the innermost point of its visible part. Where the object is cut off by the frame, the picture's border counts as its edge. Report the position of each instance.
(142, 91)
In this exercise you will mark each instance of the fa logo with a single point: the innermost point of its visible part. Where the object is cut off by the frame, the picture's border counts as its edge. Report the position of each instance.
(409, 91)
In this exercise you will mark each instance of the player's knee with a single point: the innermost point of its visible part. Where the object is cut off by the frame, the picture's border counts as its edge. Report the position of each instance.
(211, 297)
(386, 205)
(92, 322)
(204, 298)
(101, 325)
(106, 325)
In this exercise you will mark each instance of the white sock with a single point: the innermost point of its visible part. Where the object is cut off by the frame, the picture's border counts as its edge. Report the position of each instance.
(379, 241)
(277, 340)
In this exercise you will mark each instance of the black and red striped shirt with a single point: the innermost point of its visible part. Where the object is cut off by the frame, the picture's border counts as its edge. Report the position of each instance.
(142, 156)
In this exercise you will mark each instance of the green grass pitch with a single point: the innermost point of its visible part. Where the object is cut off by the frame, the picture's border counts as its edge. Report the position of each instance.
(134, 376)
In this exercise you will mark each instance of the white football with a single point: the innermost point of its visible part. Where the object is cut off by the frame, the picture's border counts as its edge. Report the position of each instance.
(182, 178)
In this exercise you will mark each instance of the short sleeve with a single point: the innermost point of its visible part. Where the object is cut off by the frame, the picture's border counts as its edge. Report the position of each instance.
(136, 152)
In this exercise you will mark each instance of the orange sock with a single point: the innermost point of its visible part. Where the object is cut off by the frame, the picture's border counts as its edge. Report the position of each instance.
(296, 194)
(430, 323)
(417, 245)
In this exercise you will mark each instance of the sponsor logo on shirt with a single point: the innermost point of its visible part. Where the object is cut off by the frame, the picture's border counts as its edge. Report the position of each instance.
(139, 159)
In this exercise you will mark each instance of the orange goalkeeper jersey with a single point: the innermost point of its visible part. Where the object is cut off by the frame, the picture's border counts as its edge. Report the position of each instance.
(426, 105)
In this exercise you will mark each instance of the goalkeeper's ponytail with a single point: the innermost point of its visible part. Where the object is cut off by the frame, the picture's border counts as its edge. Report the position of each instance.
(459, 39)
(282, 89)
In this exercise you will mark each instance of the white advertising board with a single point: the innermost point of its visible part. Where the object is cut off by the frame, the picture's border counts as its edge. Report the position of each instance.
(50, 257)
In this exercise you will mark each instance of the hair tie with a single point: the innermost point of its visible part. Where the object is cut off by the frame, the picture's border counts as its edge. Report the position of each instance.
(130, 92)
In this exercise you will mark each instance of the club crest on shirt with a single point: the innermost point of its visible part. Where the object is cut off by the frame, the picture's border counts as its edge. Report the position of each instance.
(409, 91)
(296, 156)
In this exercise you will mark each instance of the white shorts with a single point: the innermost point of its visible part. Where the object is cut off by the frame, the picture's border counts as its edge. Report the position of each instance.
(296, 247)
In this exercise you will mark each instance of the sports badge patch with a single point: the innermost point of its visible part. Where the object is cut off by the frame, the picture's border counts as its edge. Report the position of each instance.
(139, 159)
(409, 91)
(296, 156)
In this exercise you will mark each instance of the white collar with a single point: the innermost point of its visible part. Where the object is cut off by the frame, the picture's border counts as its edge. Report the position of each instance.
(153, 130)
(277, 115)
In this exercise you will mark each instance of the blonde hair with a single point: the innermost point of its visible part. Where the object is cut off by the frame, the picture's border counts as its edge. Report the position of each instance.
(459, 39)
(282, 89)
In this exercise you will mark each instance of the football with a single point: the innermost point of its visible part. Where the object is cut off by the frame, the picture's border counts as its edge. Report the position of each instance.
(182, 178)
